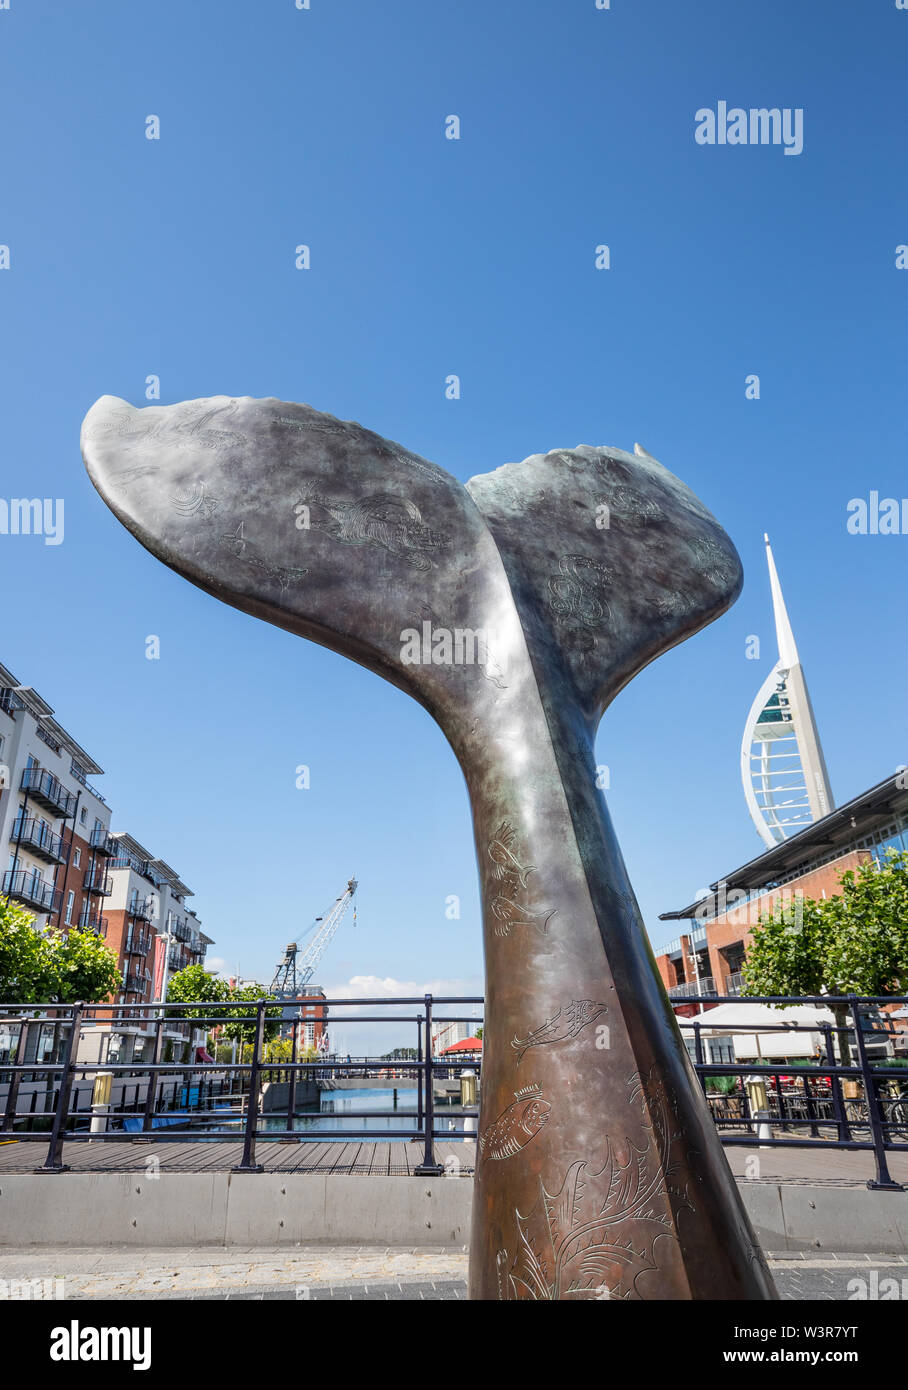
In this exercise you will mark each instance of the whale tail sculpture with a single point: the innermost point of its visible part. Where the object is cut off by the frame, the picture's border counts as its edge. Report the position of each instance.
(514, 609)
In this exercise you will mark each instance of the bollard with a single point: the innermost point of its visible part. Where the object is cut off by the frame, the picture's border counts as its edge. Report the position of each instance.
(100, 1102)
(759, 1105)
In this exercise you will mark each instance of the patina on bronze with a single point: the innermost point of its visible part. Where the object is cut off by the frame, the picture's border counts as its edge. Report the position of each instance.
(514, 609)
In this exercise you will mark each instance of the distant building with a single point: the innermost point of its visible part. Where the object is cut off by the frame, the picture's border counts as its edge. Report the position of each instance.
(310, 1011)
(54, 826)
(786, 784)
(65, 866)
(707, 959)
(149, 925)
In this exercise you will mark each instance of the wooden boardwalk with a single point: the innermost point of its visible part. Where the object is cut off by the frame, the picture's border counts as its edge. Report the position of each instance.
(836, 1167)
(396, 1159)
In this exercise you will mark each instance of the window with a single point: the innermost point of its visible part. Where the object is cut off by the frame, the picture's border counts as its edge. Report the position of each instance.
(77, 858)
(70, 901)
(83, 816)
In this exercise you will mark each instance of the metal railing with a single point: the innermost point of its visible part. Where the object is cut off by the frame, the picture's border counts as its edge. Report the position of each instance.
(48, 789)
(36, 835)
(823, 1104)
(99, 881)
(693, 989)
(91, 920)
(827, 1103)
(67, 1118)
(27, 887)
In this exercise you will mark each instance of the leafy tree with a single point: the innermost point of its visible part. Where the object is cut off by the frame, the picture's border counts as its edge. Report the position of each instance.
(51, 967)
(195, 985)
(853, 943)
(85, 967)
(244, 1029)
(27, 966)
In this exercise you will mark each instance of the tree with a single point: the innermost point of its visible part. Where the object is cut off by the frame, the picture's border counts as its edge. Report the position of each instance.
(86, 968)
(853, 943)
(245, 1031)
(27, 965)
(195, 985)
(52, 967)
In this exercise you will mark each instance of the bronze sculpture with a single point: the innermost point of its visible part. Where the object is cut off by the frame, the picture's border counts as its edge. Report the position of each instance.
(514, 609)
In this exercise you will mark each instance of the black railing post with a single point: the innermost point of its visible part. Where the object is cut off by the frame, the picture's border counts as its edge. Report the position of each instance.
(294, 1058)
(419, 1059)
(429, 1168)
(54, 1161)
(248, 1163)
(12, 1095)
(151, 1092)
(843, 1128)
(884, 1179)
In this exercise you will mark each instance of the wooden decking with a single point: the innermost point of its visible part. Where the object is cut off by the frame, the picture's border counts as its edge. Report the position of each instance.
(836, 1167)
(398, 1159)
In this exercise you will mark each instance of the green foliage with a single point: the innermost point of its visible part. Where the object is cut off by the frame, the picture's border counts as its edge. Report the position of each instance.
(853, 943)
(786, 954)
(722, 1085)
(27, 974)
(86, 968)
(52, 967)
(195, 985)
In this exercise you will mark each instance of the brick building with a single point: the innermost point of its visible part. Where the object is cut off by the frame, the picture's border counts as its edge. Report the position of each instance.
(707, 958)
(65, 865)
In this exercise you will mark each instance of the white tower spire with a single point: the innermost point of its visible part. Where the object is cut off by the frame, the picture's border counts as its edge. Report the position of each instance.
(782, 765)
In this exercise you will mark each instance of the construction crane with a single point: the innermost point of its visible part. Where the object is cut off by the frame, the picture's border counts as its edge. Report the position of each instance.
(296, 969)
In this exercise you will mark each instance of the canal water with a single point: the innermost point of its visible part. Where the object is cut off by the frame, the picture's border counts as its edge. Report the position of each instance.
(336, 1106)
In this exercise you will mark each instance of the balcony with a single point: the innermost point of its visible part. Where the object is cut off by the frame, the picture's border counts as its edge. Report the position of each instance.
(692, 990)
(181, 931)
(98, 882)
(89, 920)
(10, 702)
(138, 945)
(37, 837)
(135, 984)
(26, 887)
(43, 787)
(101, 842)
(141, 908)
(736, 984)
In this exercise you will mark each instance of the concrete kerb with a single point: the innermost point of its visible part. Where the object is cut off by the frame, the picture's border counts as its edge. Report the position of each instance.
(265, 1209)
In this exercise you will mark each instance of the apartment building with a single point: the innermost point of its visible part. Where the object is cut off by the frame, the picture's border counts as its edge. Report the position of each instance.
(149, 925)
(65, 866)
(54, 825)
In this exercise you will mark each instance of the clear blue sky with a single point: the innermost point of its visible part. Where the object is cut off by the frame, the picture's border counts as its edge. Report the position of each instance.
(431, 257)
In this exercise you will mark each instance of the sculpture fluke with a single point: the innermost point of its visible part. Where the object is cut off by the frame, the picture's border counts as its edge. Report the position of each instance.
(514, 608)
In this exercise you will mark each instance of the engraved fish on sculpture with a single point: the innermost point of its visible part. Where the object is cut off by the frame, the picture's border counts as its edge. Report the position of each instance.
(502, 852)
(567, 1023)
(395, 524)
(509, 914)
(527, 1114)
